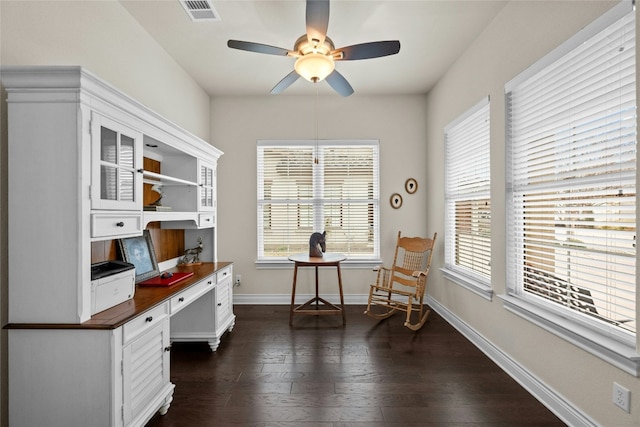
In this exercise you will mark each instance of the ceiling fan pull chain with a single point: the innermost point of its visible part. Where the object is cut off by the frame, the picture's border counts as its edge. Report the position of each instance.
(316, 117)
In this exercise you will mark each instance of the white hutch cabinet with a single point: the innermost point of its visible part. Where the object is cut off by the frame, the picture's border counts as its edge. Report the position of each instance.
(76, 148)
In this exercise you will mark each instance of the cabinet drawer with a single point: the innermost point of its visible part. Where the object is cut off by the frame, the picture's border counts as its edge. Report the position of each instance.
(145, 322)
(115, 224)
(186, 297)
(206, 220)
(224, 274)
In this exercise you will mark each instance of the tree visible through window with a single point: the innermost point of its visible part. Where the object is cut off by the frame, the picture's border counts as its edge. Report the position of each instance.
(309, 186)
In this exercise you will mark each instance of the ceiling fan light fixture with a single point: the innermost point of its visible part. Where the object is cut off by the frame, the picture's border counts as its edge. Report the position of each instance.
(316, 53)
(314, 67)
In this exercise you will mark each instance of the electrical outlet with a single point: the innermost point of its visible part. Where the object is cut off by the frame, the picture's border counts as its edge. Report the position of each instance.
(621, 396)
(238, 278)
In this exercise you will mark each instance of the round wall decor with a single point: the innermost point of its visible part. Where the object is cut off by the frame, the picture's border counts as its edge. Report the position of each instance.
(411, 186)
(396, 200)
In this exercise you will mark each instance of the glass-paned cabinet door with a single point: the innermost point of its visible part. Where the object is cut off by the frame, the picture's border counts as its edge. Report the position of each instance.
(116, 151)
(207, 187)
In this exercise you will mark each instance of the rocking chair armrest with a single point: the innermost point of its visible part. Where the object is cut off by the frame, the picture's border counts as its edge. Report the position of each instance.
(382, 275)
(419, 273)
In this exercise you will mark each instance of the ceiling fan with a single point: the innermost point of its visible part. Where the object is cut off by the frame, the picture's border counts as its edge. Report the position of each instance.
(315, 53)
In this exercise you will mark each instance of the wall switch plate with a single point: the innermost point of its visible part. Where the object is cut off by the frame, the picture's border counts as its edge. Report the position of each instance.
(621, 397)
(238, 278)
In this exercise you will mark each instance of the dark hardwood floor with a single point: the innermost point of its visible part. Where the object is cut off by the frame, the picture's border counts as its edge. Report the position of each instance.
(320, 373)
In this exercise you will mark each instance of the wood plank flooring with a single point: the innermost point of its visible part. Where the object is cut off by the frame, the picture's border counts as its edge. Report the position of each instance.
(320, 373)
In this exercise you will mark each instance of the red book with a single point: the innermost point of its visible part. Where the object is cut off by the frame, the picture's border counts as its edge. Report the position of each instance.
(159, 281)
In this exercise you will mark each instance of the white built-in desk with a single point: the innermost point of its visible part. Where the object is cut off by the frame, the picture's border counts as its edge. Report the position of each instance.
(78, 148)
(113, 370)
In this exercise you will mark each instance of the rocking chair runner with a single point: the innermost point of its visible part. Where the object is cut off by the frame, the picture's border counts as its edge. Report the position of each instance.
(402, 287)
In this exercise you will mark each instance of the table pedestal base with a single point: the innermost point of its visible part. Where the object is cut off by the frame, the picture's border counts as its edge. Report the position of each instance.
(317, 309)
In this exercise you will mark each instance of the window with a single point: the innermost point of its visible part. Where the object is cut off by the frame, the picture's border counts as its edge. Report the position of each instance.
(309, 186)
(571, 193)
(467, 199)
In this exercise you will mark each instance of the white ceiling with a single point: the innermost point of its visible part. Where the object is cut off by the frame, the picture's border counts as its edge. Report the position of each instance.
(432, 34)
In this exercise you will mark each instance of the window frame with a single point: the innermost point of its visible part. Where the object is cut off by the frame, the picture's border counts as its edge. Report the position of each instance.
(617, 347)
(317, 147)
(477, 186)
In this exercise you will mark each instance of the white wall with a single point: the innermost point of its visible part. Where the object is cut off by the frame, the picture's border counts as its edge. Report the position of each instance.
(522, 33)
(104, 38)
(238, 122)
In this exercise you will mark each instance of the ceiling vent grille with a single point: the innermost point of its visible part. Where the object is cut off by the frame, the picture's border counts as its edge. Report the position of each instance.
(200, 10)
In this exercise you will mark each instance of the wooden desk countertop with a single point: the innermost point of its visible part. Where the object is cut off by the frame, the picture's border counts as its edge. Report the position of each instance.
(144, 299)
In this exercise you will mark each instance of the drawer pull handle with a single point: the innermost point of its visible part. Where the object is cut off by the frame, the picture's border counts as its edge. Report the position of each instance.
(120, 224)
(181, 299)
(209, 282)
(149, 319)
(219, 304)
(167, 348)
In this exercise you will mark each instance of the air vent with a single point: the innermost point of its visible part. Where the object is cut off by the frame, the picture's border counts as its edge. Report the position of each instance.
(200, 10)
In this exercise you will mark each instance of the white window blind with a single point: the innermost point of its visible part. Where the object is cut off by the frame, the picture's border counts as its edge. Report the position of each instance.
(467, 194)
(571, 194)
(309, 186)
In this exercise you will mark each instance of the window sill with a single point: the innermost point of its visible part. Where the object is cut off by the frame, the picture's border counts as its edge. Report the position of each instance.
(473, 285)
(276, 264)
(621, 355)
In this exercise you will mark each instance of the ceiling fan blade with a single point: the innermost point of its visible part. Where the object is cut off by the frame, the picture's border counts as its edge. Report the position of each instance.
(257, 47)
(339, 83)
(369, 50)
(287, 81)
(317, 20)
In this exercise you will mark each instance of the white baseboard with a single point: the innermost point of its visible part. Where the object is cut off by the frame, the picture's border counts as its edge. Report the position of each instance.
(546, 395)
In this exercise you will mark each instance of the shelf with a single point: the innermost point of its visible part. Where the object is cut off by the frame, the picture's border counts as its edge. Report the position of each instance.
(152, 216)
(157, 178)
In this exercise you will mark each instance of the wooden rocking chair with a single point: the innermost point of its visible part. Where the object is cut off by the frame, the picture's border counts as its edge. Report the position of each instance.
(402, 286)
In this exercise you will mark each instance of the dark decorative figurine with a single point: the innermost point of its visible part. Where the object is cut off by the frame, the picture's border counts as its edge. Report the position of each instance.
(192, 256)
(317, 244)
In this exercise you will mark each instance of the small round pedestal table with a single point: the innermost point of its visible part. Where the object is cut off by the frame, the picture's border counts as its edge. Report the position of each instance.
(313, 306)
